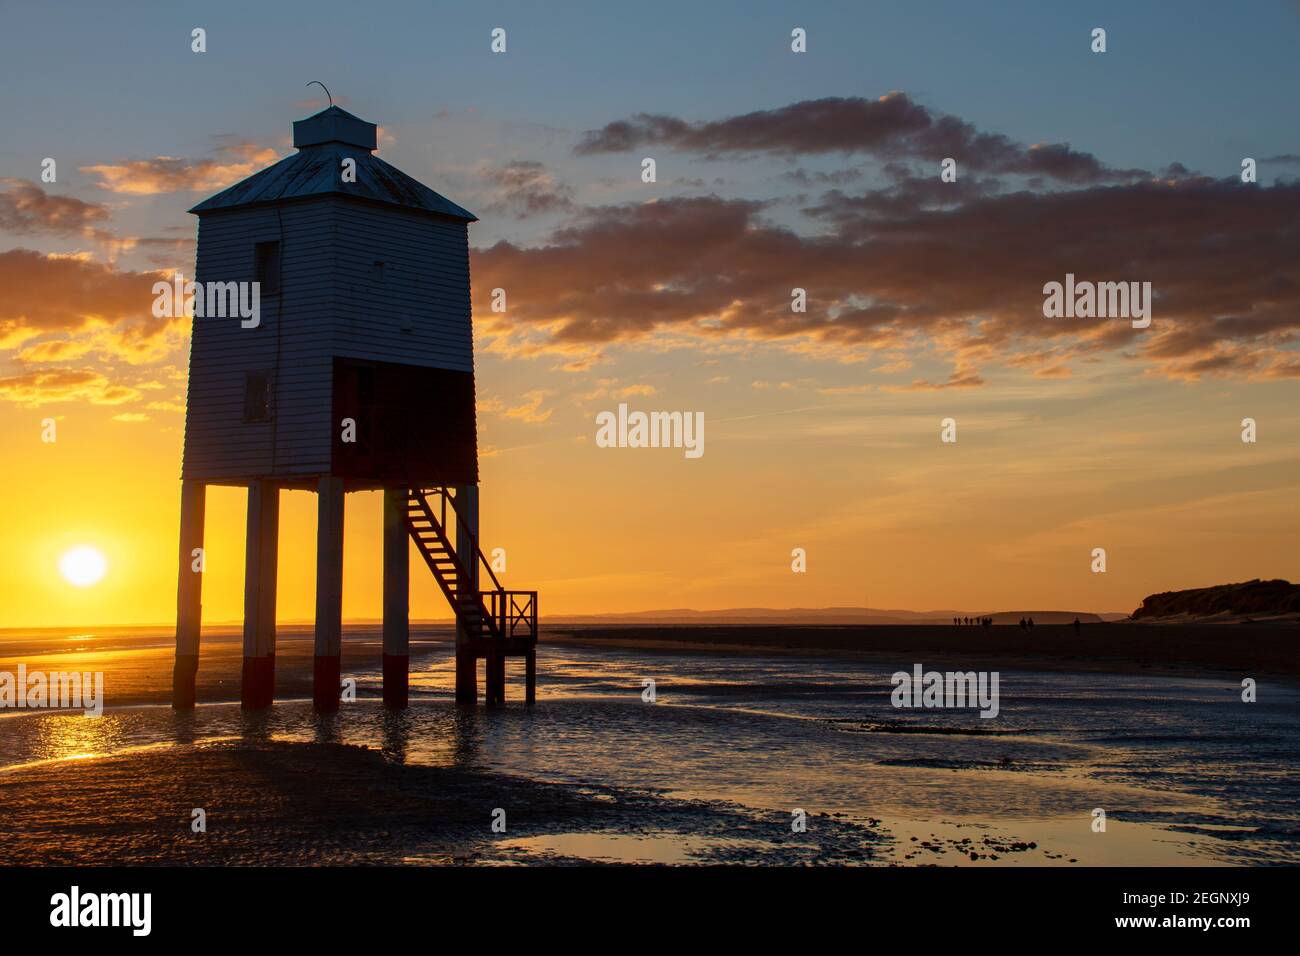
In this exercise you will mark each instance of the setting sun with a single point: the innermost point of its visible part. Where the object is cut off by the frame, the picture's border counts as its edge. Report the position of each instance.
(83, 566)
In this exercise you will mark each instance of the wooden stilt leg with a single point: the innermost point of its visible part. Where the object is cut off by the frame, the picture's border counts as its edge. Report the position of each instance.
(530, 678)
(397, 601)
(189, 596)
(329, 595)
(257, 687)
(466, 677)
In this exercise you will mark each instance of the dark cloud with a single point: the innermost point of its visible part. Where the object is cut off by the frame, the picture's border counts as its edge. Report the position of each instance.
(525, 188)
(963, 278)
(26, 208)
(909, 195)
(838, 177)
(891, 127)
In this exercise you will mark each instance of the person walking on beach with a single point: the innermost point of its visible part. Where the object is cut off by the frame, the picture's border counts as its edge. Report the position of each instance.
(1022, 623)
(1076, 625)
(1031, 623)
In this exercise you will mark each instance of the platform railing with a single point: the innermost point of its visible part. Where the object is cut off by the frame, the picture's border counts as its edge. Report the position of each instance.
(515, 612)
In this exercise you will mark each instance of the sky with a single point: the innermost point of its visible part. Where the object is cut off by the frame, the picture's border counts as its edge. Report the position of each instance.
(775, 170)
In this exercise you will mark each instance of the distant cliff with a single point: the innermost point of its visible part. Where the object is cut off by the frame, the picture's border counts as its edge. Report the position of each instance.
(1250, 599)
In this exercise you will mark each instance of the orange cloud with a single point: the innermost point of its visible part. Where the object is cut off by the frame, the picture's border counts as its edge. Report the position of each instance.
(61, 308)
(65, 385)
(531, 410)
(166, 174)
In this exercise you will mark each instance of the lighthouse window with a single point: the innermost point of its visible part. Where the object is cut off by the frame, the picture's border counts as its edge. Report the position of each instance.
(257, 396)
(268, 267)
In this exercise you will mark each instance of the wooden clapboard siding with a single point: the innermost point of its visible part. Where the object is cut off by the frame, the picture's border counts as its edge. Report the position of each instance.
(293, 337)
(425, 283)
(331, 303)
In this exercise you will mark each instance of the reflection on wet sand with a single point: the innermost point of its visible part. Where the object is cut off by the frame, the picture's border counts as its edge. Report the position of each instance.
(711, 772)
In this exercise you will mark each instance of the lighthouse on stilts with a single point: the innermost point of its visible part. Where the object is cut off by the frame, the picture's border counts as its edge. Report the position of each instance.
(355, 374)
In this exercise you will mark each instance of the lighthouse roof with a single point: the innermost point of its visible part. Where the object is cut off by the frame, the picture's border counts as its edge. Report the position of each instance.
(324, 141)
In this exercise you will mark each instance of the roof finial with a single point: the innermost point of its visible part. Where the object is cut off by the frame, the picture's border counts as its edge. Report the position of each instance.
(323, 87)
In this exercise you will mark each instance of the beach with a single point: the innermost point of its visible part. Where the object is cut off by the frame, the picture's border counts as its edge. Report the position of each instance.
(734, 750)
(1185, 649)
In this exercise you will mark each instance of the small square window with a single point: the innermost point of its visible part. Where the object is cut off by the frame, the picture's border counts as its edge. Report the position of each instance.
(257, 396)
(268, 267)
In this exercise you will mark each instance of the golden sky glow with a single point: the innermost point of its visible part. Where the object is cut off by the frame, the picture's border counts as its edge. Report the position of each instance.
(889, 516)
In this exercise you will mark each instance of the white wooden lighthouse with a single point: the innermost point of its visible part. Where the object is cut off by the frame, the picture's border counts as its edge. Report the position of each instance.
(356, 373)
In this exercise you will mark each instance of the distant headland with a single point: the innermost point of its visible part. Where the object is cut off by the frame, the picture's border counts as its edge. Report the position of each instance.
(1244, 603)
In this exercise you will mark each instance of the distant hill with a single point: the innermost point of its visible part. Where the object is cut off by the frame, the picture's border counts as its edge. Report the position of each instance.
(823, 615)
(1229, 603)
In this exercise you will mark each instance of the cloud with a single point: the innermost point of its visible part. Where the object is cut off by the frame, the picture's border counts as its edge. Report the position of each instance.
(531, 410)
(610, 389)
(838, 177)
(26, 208)
(524, 188)
(236, 159)
(57, 308)
(166, 253)
(56, 350)
(894, 126)
(33, 389)
(963, 279)
(176, 407)
(956, 380)
(845, 389)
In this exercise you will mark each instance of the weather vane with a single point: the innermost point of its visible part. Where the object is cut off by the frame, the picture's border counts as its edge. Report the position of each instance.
(325, 88)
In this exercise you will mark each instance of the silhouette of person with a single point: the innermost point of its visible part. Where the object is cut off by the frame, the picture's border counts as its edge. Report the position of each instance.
(1022, 623)
(1031, 622)
(1076, 625)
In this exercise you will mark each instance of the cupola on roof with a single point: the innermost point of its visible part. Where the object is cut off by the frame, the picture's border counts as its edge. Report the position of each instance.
(324, 141)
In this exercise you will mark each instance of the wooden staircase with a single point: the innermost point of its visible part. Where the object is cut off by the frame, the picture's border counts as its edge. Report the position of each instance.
(491, 622)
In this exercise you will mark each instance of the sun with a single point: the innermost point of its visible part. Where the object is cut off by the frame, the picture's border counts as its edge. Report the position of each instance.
(83, 566)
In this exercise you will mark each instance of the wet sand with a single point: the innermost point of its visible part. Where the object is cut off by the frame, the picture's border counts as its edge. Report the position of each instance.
(286, 787)
(1180, 649)
(303, 804)
(138, 661)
